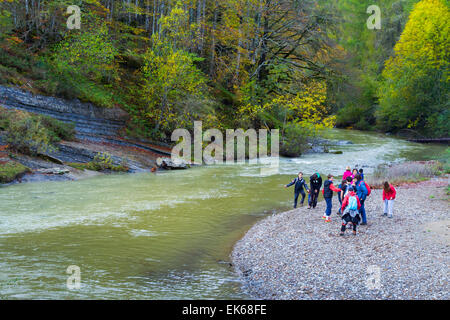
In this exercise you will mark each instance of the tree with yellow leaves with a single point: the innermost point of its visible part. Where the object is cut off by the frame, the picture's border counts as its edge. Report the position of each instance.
(415, 92)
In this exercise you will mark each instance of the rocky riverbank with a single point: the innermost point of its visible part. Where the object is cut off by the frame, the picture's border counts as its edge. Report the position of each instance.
(295, 255)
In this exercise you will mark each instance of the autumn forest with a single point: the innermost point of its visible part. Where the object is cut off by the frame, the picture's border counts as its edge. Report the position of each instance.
(300, 66)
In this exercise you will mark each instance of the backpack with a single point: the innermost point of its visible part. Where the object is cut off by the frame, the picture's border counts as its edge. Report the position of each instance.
(352, 203)
(369, 191)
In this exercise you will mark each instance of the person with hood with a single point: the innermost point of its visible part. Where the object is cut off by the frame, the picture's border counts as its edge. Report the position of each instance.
(299, 183)
(344, 187)
(350, 207)
(362, 193)
(327, 191)
(389, 194)
(347, 173)
(315, 183)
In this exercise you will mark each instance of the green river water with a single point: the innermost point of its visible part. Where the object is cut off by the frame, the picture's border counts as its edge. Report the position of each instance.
(157, 236)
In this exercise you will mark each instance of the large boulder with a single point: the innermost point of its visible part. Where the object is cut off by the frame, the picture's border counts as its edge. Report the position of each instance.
(171, 164)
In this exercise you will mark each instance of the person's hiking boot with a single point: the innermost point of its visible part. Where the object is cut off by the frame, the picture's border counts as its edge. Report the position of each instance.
(390, 217)
(309, 207)
(384, 215)
(354, 232)
(341, 234)
(327, 219)
(324, 217)
(363, 224)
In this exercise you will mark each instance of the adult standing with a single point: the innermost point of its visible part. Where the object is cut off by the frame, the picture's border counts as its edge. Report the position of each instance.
(315, 183)
(299, 183)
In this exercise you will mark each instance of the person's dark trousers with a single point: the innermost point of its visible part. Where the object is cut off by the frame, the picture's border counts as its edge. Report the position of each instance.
(340, 199)
(329, 206)
(346, 219)
(296, 197)
(362, 211)
(313, 197)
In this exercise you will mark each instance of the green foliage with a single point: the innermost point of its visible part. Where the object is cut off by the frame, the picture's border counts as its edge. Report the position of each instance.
(415, 92)
(32, 134)
(169, 76)
(101, 162)
(294, 140)
(11, 170)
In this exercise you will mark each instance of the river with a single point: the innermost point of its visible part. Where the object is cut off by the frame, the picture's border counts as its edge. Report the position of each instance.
(157, 236)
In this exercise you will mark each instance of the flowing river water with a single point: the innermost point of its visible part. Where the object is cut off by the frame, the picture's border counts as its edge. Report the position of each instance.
(157, 236)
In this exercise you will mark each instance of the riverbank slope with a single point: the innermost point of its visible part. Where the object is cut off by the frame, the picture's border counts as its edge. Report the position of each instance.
(295, 255)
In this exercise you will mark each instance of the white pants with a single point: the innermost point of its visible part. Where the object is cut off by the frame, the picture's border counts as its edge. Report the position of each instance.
(389, 207)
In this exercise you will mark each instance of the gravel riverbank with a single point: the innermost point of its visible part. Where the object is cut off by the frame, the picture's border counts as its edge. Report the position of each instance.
(296, 255)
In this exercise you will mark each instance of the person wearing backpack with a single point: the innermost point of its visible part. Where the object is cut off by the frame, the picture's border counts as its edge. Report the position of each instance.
(344, 187)
(362, 193)
(389, 194)
(350, 209)
(327, 191)
(299, 183)
(315, 183)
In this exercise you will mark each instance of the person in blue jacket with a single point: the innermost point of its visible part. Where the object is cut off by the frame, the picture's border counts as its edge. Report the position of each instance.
(361, 192)
(299, 183)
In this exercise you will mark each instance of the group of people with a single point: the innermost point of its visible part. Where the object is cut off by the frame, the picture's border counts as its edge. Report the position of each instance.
(352, 194)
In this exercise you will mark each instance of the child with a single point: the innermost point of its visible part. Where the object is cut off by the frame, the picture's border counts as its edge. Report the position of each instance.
(350, 208)
(327, 191)
(354, 173)
(299, 185)
(361, 172)
(389, 194)
(344, 186)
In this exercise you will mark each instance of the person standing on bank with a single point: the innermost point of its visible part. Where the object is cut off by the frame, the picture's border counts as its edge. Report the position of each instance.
(327, 191)
(389, 194)
(315, 183)
(299, 183)
(362, 193)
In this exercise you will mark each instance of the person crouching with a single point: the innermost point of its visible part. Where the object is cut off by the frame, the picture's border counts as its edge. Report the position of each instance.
(350, 209)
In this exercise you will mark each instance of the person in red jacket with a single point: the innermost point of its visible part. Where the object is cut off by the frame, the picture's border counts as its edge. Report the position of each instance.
(389, 194)
(350, 209)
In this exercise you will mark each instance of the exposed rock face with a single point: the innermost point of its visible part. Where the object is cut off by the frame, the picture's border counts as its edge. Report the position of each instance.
(88, 118)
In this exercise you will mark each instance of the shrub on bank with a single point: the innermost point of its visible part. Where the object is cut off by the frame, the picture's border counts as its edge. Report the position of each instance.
(32, 134)
(11, 170)
(101, 162)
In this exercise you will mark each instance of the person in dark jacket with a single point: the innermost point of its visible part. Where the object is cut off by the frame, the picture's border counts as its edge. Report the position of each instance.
(362, 192)
(343, 186)
(361, 172)
(315, 183)
(327, 191)
(299, 183)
